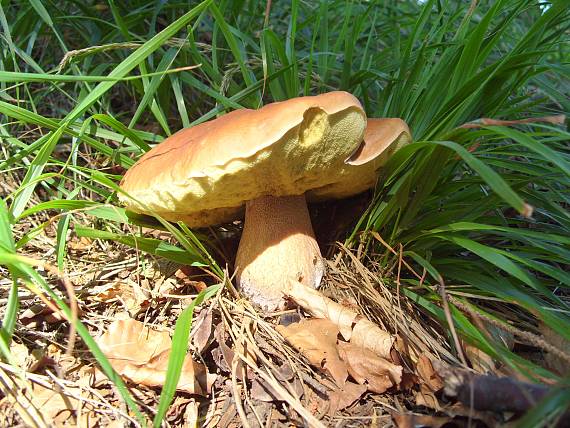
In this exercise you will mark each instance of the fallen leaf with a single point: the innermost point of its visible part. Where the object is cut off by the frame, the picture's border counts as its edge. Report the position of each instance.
(480, 361)
(352, 326)
(316, 339)
(141, 355)
(427, 373)
(56, 406)
(426, 397)
(128, 292)
(79, 244)
(184, 273)
(191, 415)
(369, 369)
(222, 354)
(202, 330)
(38, 313)
(409, 380)
(345, 396)
(164, 286)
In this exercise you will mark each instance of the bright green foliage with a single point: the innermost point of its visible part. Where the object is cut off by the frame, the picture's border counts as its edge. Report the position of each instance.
(484, 209)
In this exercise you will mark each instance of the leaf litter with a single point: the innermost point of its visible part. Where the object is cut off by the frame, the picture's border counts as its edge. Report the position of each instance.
(140, 354)
(373, 356)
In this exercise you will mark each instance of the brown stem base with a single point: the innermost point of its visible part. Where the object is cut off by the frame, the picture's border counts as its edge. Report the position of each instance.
(277, 244)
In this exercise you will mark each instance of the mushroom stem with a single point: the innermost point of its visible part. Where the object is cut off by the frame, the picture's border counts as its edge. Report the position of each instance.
(278, 244)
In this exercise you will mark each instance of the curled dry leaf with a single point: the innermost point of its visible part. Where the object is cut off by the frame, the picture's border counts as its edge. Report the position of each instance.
(369, 369)
(141, 355)
(316, 339)
(352, 326)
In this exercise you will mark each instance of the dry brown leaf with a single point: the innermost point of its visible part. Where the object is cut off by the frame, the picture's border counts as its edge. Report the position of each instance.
(316, 339)
(345, 396)
(141, 355)
(39, 313)
(56, 406)
(369, 369)
(128, 292)
(107, 292)
(202, 330)
(164, 286)
(480, 361)
(427, 374)
(426, 397)
(352, 326)
(192, 415)
(81, 244)
(185, 273)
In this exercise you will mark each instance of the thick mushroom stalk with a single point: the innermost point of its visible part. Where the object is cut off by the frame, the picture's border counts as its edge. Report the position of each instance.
(277, 244)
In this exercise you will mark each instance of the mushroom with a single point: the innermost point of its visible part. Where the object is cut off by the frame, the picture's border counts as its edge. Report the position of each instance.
(271, 160)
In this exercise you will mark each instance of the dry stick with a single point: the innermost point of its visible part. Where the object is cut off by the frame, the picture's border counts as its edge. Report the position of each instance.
(532, 338)
(63, 384)
(499, 394)
(235, 362)
(234, 368)
(398, 284)
(317, 386)
(449, 319)
(237, 394)
(244, 336)
(260, 354)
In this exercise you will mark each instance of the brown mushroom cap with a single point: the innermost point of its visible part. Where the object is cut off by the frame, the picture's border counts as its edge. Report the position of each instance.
(203, 175)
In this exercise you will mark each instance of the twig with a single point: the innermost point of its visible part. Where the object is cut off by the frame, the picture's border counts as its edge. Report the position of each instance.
(449, 319)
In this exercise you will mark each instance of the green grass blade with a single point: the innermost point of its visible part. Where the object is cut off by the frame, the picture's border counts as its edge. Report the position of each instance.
(178, 353)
